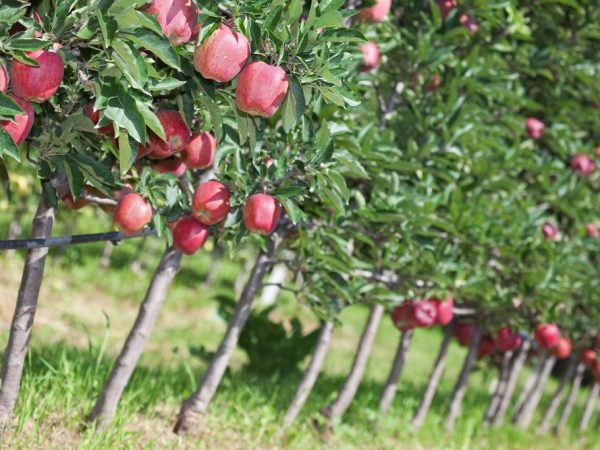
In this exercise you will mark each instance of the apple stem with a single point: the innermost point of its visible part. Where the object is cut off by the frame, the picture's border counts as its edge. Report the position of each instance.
(391, 385)
(23, 317)
(106, 404)
(589, 407)
(557, 396)
(571, 399)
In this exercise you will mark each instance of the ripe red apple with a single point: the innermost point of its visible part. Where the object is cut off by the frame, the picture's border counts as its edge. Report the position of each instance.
(547, 335)
(3, 79)
(469, 23)
(597, 151)
(177, 18)
(21, 127)
(446, 7)
(210, 203)
(588, 357)
(486, 346)
(177, 135)
(37, 84)
(535, 128)
(433, 83)
(424, 313)
(261, 213)
(173, 165)
(550, 231)
(94, 116)
(591, 230)
(563, 349)
(445, 310)
(370, 52)
(582, 165)
(402, 316)
(375, 13)
(200, 152)
(132, 214)
(189, 235)
(464, 333)
(261, 89)
(507, 340)
(223, 55)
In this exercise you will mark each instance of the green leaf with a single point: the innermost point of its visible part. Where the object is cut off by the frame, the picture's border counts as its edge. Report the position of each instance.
(127, 155)
(294, 106)
(295, 10)
(331, 19)
(5, 180)
(151, 120)
(8, 107)
(158, 45)
(293, 211)
(26, 44)
(8, 147)
(168, 84)
(124, 112)
(131, 63)
(74, 177)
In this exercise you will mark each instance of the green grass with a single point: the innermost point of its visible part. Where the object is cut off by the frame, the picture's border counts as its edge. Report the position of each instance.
(85, 315)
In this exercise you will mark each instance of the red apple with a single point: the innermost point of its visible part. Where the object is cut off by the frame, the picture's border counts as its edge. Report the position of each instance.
(535, 128)
(486, 346)
(261, 213)
(469, 23)
(424, 313)
(370, 52)
(563, 349)
(597, 151)
(21, 127)
(582, 165)
(507, 340)
(173, 165)
(200, 152)
(591, 230)
(223, 55)
(402, 316)
(433, 83)
(177, 18)
(547, 335)
(3, 79)
(464, 333)
(588, 357)
(375, 13)
(550, 231)
(189, 235)
(132, 214)
(94, 116)
(261, 89)
(445, 310)
(37, 84)
(210, 203)
(446, 7)
(177, 135)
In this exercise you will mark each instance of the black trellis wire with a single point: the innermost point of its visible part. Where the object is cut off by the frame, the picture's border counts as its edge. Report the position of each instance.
(62, 241)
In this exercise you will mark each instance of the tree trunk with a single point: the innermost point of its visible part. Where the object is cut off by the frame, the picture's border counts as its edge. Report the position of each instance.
(589, 407)
(461, 384)
(503, 376)
(106, 404)
(391, 385)
(531, 404)
(515, 371)
(310, 375)
(528, 387)
(276, 280)
(557, 397)
(106, 254)
(22, 322)
(198, 402)
(346, 394)
(434, 381)
(562, 421)
(14, 228)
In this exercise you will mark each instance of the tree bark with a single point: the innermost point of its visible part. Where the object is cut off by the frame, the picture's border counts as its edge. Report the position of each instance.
(23, 317)
(515, 371)
(566, 413)
(106, 254)
(198, 402)
(346, 395)
(104, 409)
(528, 387)
(14, 229)
(461, 384)
(310, 375)
(557, 397)
(531, 404)
(503, 376)
(434, 381)
(391, 385)
(589, 407)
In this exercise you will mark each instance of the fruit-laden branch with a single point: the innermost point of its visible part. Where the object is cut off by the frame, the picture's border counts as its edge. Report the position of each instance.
(557, 396)
(434, 380)
(23, 317)
(348, 391)
(106, 404)
(514, 372)
(571, 399)
(62, 241)
(461, 384)
(310, 375)
(589, 407)
(198, 402)
(503, 376)
(526, 415)
(391, 385)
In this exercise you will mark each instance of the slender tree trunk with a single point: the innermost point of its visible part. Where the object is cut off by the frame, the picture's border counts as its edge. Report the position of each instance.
(461, 384)
(138, 263)
(348, 391)
(310, 375)
(391, 385)
(566, 413)
(434, 381)
(213, 269)
(503, 375)
(276, 280)
(557, 397)
(515, 371)
(14, 228)
(22, 322)
(529, 386)
(589, 407)
(241, 279)
(106, 254)
(533, 401)
(198, 402)
(106, 404)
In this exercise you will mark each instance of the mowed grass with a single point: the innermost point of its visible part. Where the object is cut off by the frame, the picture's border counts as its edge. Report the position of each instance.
(85, 314)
